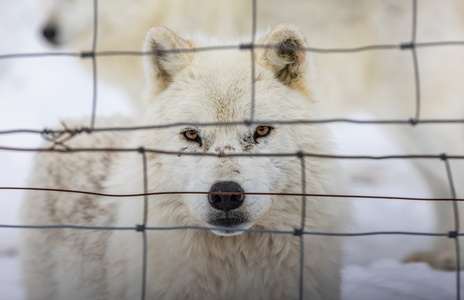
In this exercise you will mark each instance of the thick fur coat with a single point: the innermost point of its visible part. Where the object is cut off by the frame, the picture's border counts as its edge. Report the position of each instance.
(220, 261)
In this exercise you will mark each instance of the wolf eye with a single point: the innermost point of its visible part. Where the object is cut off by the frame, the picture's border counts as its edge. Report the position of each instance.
(262, 131)
(192, 135)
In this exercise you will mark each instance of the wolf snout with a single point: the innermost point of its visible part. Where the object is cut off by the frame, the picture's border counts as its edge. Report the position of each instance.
(50, 33)
(227, 202)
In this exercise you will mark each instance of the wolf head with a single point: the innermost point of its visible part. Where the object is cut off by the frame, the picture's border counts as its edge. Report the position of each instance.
(66, 21)
(71, 22)
(184, 84)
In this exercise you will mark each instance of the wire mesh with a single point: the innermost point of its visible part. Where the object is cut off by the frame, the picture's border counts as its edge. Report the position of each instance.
(60, 137)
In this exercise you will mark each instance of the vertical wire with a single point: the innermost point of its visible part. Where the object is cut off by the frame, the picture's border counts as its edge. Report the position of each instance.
(253, 67)
(414, 21)
(303, 221)
(94, 63)
(145, 219)
(144, 266)
(301, 283)
(415, 61)
(454, 235)
(145, 186)
(417, 84)
(303, 190)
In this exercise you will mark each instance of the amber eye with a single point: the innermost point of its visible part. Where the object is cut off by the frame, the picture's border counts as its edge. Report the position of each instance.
(192, 136)
(262, 131)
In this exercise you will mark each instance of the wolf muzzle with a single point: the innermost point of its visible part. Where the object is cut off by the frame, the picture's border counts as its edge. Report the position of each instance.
(50, 33)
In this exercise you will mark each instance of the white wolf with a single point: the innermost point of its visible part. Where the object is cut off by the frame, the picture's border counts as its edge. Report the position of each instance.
(379, 81)
(227, 263)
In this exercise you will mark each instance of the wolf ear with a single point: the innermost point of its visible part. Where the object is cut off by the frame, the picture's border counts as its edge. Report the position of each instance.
(162, 65)
(283, 56)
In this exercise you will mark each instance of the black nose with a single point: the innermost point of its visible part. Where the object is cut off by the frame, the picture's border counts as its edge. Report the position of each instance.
(51, 34)
(226, 202)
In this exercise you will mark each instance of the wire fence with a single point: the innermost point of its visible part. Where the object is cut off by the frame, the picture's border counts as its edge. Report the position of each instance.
(60, 137)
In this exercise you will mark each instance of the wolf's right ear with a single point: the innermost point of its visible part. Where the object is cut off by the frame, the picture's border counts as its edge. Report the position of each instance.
(165, 58)
(285, 56)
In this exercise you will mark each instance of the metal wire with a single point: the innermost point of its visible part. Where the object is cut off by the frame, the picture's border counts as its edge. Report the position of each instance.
(68, 150)
(144, 225)
(415, 61)
(303, 221)
(253, 66)
(88, 130)
(86, 54)
(258, 231)
(94, 64)
(229, 193)
(456, 225)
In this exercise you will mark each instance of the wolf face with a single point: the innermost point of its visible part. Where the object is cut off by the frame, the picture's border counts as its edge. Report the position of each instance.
(230, 174)
(205, 88)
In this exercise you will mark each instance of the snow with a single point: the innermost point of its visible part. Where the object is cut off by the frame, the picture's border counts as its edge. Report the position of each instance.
(39, 92)
(387, 279)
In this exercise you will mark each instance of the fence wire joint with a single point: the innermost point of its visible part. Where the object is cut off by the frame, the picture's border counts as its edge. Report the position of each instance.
(453, 234)
(298, 232)
(86, 54)
(409, 45)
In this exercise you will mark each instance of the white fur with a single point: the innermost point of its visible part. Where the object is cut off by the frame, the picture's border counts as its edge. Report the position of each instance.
(380, 81)
(200, 87)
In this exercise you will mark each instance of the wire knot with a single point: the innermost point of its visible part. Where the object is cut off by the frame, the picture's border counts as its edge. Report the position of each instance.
(87, 130)
(246, 46)
(453, 234)
(409, 45)
(140, 228)
(443, 156)
(46, 131)
(141, 150)
(298, 232)
(413, 121)
(247, 122)
(86, 54)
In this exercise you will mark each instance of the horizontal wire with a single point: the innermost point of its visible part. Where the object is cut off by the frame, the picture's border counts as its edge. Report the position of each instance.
(228, 193)
(234, 123)
(86, 54)
(40, 54)
(135, 228)
(280, 154)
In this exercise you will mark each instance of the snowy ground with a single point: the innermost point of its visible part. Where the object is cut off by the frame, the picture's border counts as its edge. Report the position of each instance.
(38, 92)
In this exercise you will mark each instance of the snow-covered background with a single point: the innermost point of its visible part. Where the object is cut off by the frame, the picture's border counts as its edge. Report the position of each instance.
(39, 92)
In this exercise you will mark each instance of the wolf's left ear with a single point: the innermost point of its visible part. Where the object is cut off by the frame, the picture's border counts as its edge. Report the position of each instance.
(167, 58)
(284, 56)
